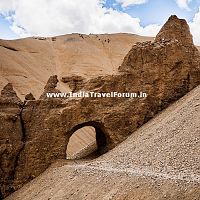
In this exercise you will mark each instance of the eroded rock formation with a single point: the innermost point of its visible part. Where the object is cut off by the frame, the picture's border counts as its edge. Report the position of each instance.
(165, 69)
(11, 137)
(50, 87)
(175, 29)
(75, 83)
(29, 97)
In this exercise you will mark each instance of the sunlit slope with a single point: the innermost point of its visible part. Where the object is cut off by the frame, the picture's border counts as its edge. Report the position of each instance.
(82, 140)
(28, 63)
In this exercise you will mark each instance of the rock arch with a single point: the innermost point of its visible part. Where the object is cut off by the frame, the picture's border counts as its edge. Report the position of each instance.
(102, 136)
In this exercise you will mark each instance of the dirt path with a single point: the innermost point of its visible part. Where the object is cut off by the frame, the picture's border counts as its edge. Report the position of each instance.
(138, 171)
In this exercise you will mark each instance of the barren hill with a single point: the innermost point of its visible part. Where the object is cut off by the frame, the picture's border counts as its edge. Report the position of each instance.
(159, 161)
(28, 63)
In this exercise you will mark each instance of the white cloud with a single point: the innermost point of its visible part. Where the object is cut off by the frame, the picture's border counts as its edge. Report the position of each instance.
(183, 4)
(50, 17)
(126, 3)
(6, 5)
(195, 27)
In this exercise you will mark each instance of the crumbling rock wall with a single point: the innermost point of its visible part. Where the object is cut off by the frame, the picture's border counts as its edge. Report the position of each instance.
(75, 82)
(50, 87)
(11, 137)
(165, 69)
(175, 29)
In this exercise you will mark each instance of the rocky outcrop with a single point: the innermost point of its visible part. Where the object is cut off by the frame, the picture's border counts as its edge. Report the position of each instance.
(75, 83)
(170, 65)
(165, 70)
(11, 134)
(29, 97)
(50, 87)
(175, 29)
(9, 96)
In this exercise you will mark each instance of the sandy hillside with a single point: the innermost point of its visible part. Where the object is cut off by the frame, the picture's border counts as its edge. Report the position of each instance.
(159, 161)
(81, 140)
(28, 63)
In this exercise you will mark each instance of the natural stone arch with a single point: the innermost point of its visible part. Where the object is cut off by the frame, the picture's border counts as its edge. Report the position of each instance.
(102, 137)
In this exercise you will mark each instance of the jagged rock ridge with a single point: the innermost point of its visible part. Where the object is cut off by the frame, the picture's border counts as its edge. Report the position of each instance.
(175, 29)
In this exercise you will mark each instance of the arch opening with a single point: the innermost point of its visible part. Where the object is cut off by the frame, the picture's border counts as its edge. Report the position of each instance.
(86, 141)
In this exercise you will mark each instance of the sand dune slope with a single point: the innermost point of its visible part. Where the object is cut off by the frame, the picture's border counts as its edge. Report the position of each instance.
(159, 161)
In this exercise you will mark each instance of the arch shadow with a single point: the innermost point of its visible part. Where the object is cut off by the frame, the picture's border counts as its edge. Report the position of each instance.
(102, 138)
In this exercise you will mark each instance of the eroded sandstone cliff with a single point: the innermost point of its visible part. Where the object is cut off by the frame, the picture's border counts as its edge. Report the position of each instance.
(11, 137)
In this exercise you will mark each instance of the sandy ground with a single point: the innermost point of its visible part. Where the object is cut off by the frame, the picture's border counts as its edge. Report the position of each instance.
(82, 143)
(159, 161)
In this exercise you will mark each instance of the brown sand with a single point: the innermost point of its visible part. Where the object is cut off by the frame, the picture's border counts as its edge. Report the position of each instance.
(28, 63)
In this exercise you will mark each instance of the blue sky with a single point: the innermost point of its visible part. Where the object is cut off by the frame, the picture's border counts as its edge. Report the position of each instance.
(157, 11)
(149, 13)
(5, 31)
